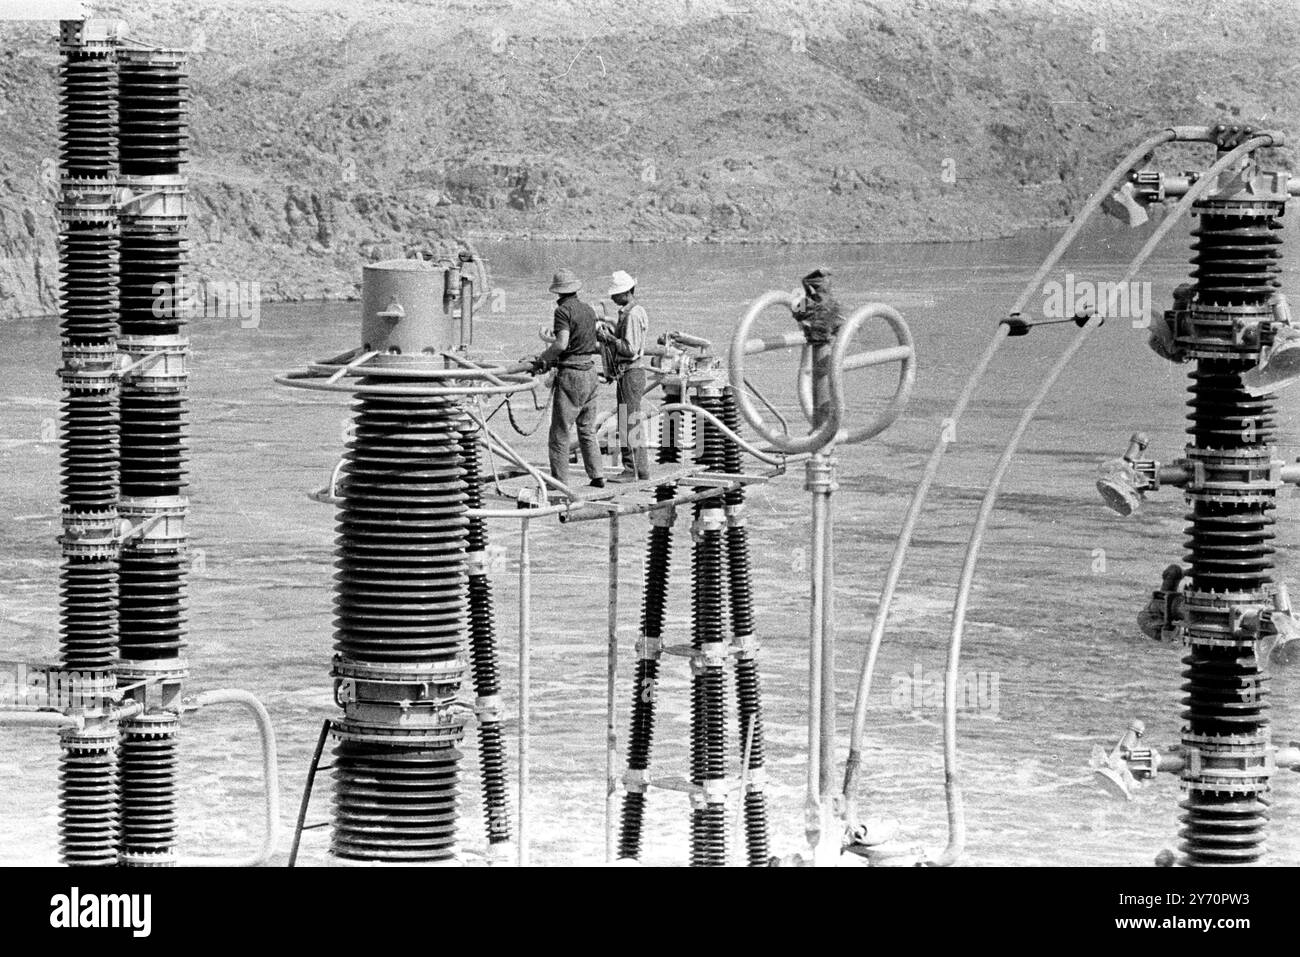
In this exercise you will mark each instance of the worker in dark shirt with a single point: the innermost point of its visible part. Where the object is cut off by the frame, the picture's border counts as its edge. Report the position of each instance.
(575, 354)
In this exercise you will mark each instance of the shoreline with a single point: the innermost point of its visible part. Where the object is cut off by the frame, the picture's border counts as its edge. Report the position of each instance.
(324, 295)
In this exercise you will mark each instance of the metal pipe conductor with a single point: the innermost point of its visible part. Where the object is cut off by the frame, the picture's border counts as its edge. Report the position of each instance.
(1118, 174)
(822, 399)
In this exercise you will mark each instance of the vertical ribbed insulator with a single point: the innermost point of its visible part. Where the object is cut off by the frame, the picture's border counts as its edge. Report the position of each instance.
(394, 804)
(153, 97)
(153, 104)
(673, 432)
(749, 695)
(1225, 809)
(400, 606)
(708, 679)
(658, 566)
(88, 112)
(654, 608)
(147, 791)
(88, 797)
(88, 422)
(401, 532)
(709, 836)
(482, 646)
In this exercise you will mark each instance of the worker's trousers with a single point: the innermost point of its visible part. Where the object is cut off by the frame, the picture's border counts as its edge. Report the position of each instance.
(631, 428)
(574, 401)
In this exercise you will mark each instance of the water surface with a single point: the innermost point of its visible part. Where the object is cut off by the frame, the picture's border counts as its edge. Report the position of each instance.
(1051, 617)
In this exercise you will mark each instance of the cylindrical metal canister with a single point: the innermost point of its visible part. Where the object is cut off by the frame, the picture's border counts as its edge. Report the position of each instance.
(402, 308)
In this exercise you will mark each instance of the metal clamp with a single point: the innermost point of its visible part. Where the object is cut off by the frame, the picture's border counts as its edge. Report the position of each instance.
(649, 648)
(829, 430)
(154, 362)
(154, 523)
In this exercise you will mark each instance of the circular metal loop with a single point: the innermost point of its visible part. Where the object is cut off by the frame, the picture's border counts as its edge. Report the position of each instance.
(299, 380)
(904, 354)
(829, 431)
(344, 374)
(740, 345)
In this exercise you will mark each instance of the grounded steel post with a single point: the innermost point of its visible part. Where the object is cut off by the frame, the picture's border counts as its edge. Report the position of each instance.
(525, 681)
(611, 682)
(823, 362)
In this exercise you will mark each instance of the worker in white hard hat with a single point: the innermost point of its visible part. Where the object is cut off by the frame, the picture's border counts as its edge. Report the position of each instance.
(624, 342)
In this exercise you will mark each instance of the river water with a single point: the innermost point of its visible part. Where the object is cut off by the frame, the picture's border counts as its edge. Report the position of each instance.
(1051, 647)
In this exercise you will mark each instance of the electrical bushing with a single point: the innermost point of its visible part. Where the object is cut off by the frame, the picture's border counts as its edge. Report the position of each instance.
(88, 419)
(412, 597)
(1234, 479)
(1223, 602)
(153, 96)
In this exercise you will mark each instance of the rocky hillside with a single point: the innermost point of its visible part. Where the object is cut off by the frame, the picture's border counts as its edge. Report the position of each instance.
(329, 132)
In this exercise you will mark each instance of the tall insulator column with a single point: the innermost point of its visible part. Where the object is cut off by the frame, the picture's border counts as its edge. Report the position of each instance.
(744, 637)
(152, 97)
(400, 604)
(708, 674)
(411, 585)
(88, 419)
(482, 647)
(645, 685)
(1235, 475)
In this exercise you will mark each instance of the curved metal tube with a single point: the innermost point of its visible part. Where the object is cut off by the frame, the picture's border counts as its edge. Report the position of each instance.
(952, 779)
(717, 423)
(38, 719)
(829, 431)
(948, 434)
(785, 426)
(952, 782)
(270, 777)
(820, 435)
(904, 353)
(1108, 186)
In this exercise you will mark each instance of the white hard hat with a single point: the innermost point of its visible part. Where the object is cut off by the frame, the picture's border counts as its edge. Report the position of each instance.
(620, 282)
